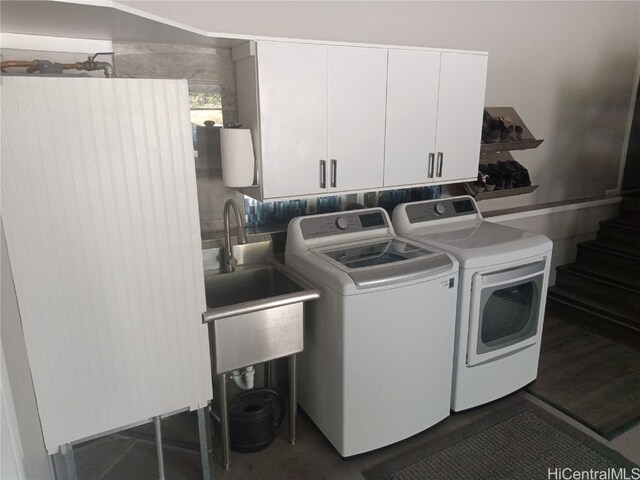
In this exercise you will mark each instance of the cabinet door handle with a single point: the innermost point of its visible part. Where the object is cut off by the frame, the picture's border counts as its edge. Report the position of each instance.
(323, 174)
(430, 168)
(334, 172)
(440, 162)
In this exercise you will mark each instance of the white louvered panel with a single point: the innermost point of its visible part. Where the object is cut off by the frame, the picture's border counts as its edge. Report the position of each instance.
(100, 211)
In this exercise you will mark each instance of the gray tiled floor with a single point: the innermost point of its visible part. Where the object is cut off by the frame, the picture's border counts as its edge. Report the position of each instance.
(131, 455)
(123, 457)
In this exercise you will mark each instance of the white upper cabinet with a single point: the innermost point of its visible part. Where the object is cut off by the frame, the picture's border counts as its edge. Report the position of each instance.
(460, 108)
(293, 117)
(321, 117)
(412, 114)
(356, 105)
(342, 118)
(434, 117)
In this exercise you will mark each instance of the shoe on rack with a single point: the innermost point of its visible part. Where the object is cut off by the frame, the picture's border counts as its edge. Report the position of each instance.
(508, 171)
(496, 174)
(511, 132)
(475, 187)
(485, 182)
(492, 128)
(521, 178)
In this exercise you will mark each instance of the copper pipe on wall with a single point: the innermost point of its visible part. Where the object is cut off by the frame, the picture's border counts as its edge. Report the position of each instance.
(45, 66)
(20, 63)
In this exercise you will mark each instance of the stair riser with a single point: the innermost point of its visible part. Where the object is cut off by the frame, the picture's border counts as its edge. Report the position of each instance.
(621, 333)
(630, 204)
(599, 291)
(615, 235)
(609, 264)
(630, 218)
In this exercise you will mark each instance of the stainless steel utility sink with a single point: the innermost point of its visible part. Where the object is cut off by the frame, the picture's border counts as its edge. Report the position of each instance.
(255, 314)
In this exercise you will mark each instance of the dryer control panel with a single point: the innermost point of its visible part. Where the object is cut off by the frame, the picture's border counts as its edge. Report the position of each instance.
(344, 222)
(441, 208)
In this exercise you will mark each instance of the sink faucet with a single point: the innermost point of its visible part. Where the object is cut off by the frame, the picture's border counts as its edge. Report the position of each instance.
(228, 263)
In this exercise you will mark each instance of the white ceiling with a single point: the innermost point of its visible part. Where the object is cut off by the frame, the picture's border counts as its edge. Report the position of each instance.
(102, 20)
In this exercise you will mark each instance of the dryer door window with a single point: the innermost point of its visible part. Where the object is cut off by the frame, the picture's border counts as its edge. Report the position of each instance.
(509, 315)
(505, 311)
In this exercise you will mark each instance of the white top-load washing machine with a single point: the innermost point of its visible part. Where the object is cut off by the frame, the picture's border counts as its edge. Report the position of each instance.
(378, 344)
(504, 273)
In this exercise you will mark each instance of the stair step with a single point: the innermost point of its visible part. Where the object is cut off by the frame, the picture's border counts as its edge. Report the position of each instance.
(596, 317)
(605, 291)
(627, 250)
(609, 262)
(628, 217)
(601, 310)
(613, 277)
(614, 232)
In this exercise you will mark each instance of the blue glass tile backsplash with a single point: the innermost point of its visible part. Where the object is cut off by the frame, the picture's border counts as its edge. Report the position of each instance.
(265, 214)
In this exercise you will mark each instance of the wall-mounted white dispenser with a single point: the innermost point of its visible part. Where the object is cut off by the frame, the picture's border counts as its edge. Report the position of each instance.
(238, 160)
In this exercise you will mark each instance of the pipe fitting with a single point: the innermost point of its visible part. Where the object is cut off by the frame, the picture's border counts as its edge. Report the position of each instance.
(244, 378)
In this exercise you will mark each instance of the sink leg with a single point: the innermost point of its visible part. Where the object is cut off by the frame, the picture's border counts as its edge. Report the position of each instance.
(267, 374)
(156, 421)
(64, 463)
(293, 399)
(224, 420)
(206, 450)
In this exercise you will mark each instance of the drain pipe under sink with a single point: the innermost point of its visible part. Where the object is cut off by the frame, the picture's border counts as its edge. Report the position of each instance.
(244, 378)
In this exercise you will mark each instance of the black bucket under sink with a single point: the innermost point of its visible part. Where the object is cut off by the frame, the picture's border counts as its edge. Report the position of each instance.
(254, 416)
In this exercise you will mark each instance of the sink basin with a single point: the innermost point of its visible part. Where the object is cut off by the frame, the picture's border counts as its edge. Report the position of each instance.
(248, 284)
(254, 314)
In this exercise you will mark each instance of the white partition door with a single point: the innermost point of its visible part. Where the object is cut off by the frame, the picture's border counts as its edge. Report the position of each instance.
(100, 212)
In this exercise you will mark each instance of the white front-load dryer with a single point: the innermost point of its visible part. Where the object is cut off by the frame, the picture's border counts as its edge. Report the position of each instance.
(504, 274)
(378, 344)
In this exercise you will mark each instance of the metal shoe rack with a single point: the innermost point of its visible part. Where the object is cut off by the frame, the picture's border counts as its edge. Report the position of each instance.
(494, 152)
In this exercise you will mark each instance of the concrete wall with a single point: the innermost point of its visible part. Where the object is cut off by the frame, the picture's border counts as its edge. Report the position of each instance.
(199, 65)
(566, 226)
(568, 68)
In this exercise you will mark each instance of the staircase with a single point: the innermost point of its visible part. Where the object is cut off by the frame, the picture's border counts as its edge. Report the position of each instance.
(601, 290)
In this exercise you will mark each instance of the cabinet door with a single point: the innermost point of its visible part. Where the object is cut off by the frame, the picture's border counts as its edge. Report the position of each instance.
(293, 117)
(356, 123)
(412, 111)
(461, 103)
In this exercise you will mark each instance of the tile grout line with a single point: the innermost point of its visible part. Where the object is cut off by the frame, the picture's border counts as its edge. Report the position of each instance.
(117, 460)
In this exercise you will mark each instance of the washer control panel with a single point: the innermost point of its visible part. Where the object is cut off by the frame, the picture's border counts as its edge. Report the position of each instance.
(439, 209)
(344, 222)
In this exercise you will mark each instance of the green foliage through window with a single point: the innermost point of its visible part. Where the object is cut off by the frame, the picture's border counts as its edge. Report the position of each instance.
(205, 101)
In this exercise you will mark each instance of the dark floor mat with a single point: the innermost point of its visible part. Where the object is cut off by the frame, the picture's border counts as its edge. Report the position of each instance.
(521, 441)
(590, 378)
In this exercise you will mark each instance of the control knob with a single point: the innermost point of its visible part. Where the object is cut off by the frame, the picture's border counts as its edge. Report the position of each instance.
(439, 208)
(342, 223)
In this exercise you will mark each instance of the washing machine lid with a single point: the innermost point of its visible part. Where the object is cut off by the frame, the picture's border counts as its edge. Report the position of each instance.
(456, 226)
(379, 252)
(479, 243)
(383, 261)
